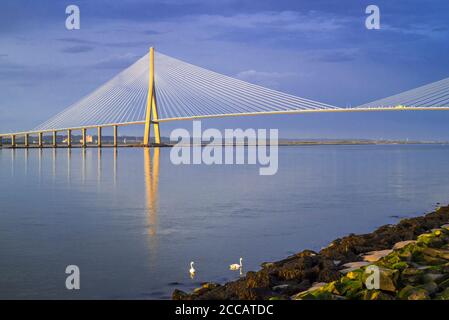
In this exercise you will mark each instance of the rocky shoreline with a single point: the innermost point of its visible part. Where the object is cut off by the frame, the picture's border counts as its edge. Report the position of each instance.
(412, 256)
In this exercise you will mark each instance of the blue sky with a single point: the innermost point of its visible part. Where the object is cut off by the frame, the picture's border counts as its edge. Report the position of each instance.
(314, 49)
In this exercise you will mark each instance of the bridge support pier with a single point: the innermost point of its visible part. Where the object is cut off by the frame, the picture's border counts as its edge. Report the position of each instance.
(26, 140)
(55, 135)
(40, 136)
(83, 139)
(69, 138)
(13, 141)
(115, 135)
(1, 141)
(99, 137)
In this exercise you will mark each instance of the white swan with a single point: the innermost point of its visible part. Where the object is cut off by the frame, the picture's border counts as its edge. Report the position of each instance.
(192, 270)
(236, 266)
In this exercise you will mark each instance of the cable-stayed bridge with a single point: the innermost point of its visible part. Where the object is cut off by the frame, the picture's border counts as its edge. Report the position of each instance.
(158, 88)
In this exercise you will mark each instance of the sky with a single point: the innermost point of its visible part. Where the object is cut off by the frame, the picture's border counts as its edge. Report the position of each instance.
(317, 49)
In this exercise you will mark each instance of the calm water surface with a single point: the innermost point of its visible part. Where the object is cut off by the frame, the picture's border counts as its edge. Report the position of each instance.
(132, 221)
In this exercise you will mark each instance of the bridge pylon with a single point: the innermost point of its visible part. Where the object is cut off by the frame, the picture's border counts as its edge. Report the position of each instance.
(152, 117)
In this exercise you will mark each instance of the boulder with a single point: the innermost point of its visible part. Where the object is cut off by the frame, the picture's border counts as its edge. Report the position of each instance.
(413, 293)
(396, 259)
(374, 256)
(374, 295)
(444, 284)
(402, 244)
(436, 253)
(430, 287)
(210, 285)
(443, 295)
(348, 287)
(357, 274)
(419, 294)
(427, 256)
(433, 277)
(411, 276)
(179, 295)
(430, 240)
(267, 265)
(309, 293)
(388, 279)
(281, 287)
(257, 280)
(351, 266)
(317, 285)
(291, 288)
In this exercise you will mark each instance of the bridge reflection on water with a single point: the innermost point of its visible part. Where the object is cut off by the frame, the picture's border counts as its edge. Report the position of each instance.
(76, 169)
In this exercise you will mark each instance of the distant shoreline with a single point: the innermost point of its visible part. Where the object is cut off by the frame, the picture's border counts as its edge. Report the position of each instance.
(282, 143)
(325, 143)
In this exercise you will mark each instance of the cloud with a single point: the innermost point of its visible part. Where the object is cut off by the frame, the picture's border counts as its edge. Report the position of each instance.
(77, 49)
(117, 62)
(286, 21)
(267, 79)
(87, 45)
(429, 30)
(77, 41)
(15, 74)
(335, 55)
(126, 44)
(151, 32)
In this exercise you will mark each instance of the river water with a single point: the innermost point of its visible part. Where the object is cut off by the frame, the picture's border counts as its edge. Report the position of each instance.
(132, 221)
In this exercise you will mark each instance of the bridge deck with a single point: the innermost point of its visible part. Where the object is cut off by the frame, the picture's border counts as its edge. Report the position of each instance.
(335, 110)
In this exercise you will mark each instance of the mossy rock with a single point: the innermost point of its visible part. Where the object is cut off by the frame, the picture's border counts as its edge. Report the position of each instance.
(425, 238)
(431, 287)
(374, 295)
(444, 284)
(210, 285)
(405, 254)
(437, 232)
(443, 295)
(413, 293)
(428, 256)
(436, 253)
(318, 294)
(388, 279)
(434, 277)
(179, 295)
(398, 259)
(431, 261)
(411, 276)
(331, 287)
(444, 268)
(349, 288)
(431, 240)
(390, 260)
(357, 274)
(274, 298)
(402, 265)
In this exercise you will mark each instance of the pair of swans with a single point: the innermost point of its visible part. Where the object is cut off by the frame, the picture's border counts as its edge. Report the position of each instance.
(234, 267)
